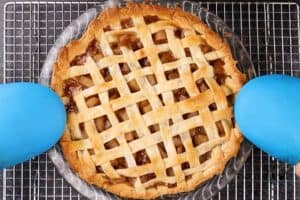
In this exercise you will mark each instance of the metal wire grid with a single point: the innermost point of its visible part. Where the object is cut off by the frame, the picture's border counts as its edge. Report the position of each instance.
(269, 31)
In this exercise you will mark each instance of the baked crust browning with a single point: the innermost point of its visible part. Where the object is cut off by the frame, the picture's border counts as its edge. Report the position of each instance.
(149, 94)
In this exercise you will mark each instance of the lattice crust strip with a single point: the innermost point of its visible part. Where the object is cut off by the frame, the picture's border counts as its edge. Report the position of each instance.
(149, 98)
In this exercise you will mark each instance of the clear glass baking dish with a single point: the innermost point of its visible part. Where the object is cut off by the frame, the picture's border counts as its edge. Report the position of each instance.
(74, 31)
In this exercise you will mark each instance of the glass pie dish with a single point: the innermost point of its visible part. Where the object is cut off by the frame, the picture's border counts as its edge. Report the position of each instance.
(77, 27)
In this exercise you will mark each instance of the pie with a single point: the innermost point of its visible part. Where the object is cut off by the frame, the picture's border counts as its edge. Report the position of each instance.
(148, 92)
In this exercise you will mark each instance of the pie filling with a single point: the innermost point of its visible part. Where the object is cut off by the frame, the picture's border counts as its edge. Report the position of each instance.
(198, 134)
(131, 42)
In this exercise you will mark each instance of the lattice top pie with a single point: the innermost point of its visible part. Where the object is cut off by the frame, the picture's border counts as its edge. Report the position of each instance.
(148, 92)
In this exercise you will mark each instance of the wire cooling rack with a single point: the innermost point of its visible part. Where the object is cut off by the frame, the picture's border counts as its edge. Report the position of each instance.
(269, 31)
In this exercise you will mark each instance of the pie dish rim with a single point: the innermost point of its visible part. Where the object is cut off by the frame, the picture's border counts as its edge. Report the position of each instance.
(46, 83)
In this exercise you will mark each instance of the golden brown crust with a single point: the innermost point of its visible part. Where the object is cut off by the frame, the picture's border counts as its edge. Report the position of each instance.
(83, 165)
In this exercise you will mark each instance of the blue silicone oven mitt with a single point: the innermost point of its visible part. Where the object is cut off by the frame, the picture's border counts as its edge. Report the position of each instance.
(32, 119)
(267, 111)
